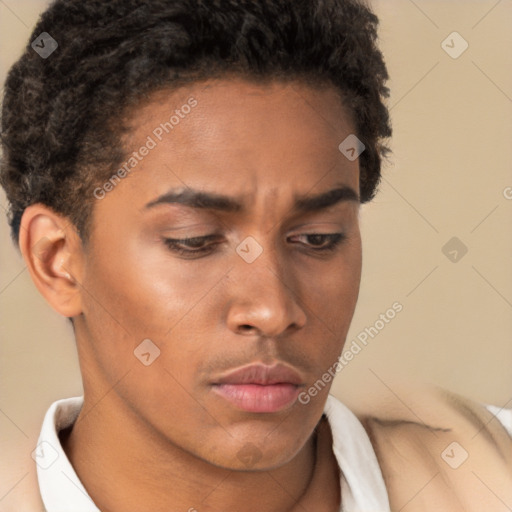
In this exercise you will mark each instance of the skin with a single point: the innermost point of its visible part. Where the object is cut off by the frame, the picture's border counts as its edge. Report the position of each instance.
(155, 438)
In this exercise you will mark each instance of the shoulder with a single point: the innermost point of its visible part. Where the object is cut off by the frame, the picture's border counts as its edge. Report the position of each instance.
(442, 452)
(21, 489)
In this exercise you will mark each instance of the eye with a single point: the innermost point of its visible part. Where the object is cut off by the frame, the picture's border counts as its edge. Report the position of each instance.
(194, 246)
(321, 242)
(203, 245)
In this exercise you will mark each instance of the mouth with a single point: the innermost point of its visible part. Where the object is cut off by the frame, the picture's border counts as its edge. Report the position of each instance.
(260, 388)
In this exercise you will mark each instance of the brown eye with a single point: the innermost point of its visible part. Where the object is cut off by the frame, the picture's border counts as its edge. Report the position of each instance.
(192, 246)
(322, 242)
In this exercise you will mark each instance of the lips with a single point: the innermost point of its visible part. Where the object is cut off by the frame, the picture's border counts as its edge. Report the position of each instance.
(262, 374)
(260, 388)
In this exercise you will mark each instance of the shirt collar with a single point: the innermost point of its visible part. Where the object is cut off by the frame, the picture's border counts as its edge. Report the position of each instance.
(362, 483)
(60, 487)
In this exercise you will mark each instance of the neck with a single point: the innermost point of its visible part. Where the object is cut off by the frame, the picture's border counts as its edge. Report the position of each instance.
(132, 468)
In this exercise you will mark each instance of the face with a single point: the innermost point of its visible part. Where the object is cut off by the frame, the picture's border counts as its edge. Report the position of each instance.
(231, 243)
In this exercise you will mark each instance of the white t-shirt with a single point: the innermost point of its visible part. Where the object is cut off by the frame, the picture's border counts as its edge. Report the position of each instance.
(362, 485)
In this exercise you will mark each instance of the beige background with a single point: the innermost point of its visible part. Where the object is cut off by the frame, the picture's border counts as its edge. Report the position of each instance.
(451, 165)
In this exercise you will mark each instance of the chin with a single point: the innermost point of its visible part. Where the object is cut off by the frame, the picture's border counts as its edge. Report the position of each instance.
(262, 455)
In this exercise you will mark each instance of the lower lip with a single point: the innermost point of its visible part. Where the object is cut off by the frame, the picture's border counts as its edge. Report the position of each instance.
(259, 398)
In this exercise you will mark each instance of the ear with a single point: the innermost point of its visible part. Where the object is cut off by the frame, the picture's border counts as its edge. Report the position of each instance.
(53, 253)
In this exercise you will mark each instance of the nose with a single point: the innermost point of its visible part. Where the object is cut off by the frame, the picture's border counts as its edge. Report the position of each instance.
(264, 300)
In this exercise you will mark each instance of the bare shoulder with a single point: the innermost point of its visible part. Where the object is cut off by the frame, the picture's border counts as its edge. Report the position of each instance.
(23, 495)
(441, 451)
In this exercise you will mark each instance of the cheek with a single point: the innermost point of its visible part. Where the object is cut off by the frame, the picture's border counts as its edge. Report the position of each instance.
(332, 290)
(331, 299)
(136, 293)
(143, 289)
(127, 303)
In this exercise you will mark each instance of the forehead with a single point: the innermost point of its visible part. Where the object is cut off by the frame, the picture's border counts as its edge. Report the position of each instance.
(240, 138)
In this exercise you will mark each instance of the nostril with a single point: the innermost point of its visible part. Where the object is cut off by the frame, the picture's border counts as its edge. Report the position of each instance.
(246, 327)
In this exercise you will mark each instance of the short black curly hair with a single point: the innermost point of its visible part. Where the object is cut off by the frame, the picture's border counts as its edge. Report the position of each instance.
(57, 133)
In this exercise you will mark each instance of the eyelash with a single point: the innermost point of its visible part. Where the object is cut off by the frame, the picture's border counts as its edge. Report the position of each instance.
(173, 244)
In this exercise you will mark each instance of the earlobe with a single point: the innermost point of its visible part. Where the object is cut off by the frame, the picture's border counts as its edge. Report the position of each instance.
(52, 251)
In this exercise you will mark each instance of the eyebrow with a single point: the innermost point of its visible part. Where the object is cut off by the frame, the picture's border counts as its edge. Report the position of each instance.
(211, 201)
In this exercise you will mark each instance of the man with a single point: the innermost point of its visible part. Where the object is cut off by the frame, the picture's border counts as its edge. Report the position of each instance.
(185, 179)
